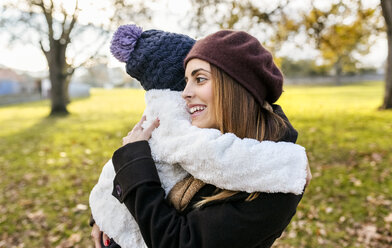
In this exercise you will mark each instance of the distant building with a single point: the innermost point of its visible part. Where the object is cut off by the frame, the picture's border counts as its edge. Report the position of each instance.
(45, 88)
(12, 83)
(75, 89)
(101, 76)
(16, 87)
(8, 87)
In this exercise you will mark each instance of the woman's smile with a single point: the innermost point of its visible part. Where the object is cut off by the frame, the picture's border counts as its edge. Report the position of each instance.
(196, 110)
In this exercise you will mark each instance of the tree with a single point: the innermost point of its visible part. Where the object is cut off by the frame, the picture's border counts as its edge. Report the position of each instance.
(302, 68)
(252, 16)
(386, 6)
(340, 32)
(53, 26)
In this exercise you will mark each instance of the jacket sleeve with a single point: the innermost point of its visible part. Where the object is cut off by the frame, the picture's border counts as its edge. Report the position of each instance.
(225, 224)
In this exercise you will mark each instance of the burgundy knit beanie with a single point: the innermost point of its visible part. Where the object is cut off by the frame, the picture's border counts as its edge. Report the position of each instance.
(243, 58)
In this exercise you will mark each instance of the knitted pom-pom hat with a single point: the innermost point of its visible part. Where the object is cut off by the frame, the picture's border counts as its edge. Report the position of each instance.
(153, 57)
(242, 57)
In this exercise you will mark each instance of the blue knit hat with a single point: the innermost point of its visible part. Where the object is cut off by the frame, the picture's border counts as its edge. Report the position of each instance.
(153, 57)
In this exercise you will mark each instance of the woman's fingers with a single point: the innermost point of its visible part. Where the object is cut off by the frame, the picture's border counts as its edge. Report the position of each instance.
(105, 239)
(148, 131)
(138, 126)
(138, 133)
(96, 235)
(140, 123)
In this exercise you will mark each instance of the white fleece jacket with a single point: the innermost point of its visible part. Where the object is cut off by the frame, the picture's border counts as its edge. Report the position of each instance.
(178, 148)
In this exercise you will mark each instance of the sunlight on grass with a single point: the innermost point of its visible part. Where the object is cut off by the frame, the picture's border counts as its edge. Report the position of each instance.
(49, 165)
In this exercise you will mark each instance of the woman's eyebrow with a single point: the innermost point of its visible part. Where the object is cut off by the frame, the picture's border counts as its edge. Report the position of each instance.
(197, 70)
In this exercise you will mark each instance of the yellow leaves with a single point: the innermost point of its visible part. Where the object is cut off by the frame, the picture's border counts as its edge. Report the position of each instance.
(278, 61)
(291, 25)
(341, 31)
(315, 16)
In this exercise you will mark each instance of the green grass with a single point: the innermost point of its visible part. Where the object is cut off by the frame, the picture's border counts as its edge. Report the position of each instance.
(49, 165)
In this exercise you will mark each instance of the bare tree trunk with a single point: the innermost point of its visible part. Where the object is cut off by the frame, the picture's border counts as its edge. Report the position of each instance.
(386, 6)
(338, 71)
(58, 92)
(66, 88)
(58, 77)
(388, 77)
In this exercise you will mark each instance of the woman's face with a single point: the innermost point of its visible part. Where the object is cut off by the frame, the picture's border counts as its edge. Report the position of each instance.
(198, 94)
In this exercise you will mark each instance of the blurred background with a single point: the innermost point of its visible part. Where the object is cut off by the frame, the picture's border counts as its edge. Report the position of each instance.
(66, 103)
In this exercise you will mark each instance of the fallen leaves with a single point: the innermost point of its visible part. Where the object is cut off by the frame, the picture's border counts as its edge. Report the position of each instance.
(45, 193)
(378, 200)
(329, 210)
(367, 233)
(376, 157)
(388, 218)
(80, 208)
(37, 217)
(355, 181)
(71, 241)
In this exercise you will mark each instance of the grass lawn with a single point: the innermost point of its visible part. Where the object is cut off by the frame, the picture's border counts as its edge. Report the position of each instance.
(49, 165)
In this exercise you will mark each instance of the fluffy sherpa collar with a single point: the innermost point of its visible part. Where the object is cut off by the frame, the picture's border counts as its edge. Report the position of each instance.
(223, 160)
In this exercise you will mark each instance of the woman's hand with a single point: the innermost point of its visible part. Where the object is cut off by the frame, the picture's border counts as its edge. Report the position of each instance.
(138, 133)
(96, 234)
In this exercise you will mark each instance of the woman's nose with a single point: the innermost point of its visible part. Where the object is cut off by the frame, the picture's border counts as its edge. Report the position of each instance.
(187, 93)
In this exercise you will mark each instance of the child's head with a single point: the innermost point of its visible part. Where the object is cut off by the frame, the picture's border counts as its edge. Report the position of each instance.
(153, 57)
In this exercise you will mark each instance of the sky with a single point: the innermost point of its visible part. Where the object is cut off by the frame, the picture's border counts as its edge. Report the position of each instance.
(168, 14)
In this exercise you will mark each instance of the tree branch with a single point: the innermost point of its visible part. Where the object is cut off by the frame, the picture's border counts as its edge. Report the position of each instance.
(67, 31)
(93, 55)
(48, 16)
(43, 49)
(64, 12)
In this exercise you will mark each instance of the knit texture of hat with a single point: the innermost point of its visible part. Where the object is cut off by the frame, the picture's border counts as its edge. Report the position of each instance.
(153, 57)
(243, 58)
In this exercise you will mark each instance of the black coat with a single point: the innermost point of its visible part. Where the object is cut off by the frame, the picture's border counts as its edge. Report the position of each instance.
(233, 222)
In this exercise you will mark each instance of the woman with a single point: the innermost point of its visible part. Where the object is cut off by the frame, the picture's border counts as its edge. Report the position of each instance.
(231, 84)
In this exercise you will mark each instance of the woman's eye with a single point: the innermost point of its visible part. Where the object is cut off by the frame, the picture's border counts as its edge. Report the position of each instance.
(200, 79)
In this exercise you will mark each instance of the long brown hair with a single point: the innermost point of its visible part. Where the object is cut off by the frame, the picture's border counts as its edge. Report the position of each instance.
(238, 112)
